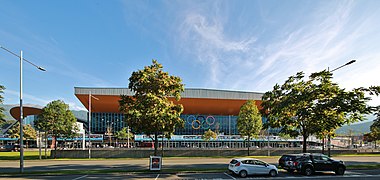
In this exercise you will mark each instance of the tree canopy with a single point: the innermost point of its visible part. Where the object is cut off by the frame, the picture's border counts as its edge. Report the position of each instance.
(249, 122)
(375, 129)
(57, 120)
(314, 106)
(29, 131)
(123, 134)
(209, 134)
(150, 110)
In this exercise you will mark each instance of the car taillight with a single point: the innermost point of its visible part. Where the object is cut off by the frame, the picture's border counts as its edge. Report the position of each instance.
(237, 164)
(295, 163)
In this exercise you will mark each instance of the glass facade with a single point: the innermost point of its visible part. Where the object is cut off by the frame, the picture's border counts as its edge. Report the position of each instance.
(30, 119)
(194, 124)
(101, 121)
(198, 124)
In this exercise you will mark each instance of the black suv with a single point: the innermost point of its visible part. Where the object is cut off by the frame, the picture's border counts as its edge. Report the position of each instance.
(310, 163)
(288, 161)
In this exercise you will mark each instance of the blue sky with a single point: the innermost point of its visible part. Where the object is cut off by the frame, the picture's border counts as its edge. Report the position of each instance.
(233, 45)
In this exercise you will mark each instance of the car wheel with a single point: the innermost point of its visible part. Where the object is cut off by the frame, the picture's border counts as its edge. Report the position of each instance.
(243, 173)
(308, 171)
(273, 173)
(290, 170)
(340, 170)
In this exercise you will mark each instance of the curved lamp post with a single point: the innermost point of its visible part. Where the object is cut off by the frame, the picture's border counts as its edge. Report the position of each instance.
(21, 108)
(329, 137)
(352, 61)
(89, 122)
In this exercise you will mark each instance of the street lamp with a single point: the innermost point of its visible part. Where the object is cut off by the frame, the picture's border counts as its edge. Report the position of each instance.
(352, 61)
(89, 123)
(129, 137)
(21, 108)
(329, 136)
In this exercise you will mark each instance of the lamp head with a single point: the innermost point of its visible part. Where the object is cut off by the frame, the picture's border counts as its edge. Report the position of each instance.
(352, 61)
(41, 68)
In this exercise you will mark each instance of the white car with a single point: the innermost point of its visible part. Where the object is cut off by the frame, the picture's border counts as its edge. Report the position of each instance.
(250, 166)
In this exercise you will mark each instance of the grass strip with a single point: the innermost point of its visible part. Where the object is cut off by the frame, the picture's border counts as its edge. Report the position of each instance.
(34, 155)
(363, 166)
(28, 155)
(357, 155)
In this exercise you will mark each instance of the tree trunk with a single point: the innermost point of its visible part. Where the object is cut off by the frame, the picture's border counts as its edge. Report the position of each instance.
(329, 145)
(304, 142)
(55, 146)
(248, 144)
(162, 144)
(46, 142)
(323, 145)
(155, 143)
(39, 144)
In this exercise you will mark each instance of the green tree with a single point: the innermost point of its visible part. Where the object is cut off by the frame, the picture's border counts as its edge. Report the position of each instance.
(249, 122)
(123, 134)
(2, 116)
(374, 135)
(150, 110)
(29, 131)
(57, 120)
(209, 134)
(314, 106)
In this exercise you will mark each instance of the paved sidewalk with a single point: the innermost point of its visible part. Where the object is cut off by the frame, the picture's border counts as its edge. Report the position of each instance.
(131, 165)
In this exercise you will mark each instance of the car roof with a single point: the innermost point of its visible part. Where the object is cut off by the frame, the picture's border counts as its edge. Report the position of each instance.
(294, 154)
(242, 159)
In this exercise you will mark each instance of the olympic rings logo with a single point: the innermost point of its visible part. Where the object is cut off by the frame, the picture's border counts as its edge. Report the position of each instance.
(200, 121)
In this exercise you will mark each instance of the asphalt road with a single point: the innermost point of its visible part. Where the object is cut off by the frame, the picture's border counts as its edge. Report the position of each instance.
(178, 163)
(356, 174)
(143, 164)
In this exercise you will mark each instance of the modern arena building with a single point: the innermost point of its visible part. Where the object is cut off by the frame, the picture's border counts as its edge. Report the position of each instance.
(203, 109)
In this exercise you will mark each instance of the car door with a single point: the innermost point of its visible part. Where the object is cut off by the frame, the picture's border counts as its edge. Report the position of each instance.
(250, 166)
(319, 164)
(261, 167)
(327, 163)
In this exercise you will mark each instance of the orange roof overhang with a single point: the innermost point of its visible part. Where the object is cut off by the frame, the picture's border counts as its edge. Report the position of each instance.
(15, 111)
(207, 106)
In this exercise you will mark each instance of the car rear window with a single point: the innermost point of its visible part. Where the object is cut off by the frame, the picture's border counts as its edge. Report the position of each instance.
(288, 158)
(234, 161)
(304, 158)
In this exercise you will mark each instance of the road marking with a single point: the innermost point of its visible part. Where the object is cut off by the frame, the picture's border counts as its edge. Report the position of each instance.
(80, 177)
(320, 177)
(157, 176)
(230, 176)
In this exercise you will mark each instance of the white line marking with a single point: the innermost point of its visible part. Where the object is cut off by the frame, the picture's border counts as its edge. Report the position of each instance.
(323, 177)
(157, 176)
(80, 177)
(230, 176)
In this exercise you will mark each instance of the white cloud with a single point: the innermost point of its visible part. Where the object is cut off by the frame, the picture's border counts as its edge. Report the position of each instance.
(75, 106)
(330, 37)
(27, 98)
(210, 44)
(14, 96)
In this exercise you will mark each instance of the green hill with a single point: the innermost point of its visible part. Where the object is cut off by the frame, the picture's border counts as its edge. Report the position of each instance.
(360, 128)
(7, 107)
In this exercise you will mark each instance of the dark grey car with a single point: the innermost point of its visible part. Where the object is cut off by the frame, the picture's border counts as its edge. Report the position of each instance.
(288, 162)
